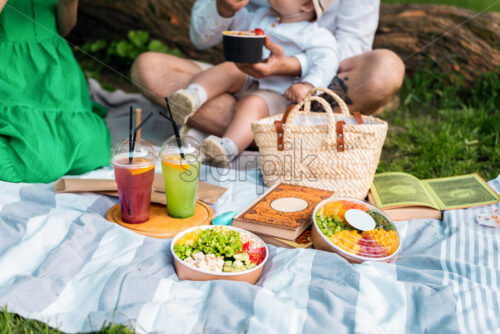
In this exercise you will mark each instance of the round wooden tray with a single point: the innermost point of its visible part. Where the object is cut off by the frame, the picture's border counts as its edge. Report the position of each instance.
(160, 225)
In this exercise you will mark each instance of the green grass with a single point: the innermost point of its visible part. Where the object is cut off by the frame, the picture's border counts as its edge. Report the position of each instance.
(444, 128)
(477, 5)
(14, 324)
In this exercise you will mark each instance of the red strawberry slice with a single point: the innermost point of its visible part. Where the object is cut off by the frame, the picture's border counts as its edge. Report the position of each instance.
(259, 31)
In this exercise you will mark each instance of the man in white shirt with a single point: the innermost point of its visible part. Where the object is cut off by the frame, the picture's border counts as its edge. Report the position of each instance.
(366, 79)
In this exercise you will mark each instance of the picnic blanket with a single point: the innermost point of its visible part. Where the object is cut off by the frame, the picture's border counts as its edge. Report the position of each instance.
(61, 262)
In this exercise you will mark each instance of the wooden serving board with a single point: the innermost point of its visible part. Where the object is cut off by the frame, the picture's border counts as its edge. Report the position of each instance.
(160, 225)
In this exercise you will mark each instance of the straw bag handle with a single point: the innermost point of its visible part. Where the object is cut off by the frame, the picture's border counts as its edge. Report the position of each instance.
(292, 112)
(343, 107)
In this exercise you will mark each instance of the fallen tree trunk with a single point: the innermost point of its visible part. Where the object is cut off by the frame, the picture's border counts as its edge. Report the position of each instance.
(455, 39)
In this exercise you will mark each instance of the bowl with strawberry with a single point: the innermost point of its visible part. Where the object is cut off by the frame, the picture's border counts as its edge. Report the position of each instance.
(218, 253)
(354, 229)
(243, 46)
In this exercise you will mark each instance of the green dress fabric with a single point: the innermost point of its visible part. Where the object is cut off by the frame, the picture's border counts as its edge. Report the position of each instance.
(48, 124)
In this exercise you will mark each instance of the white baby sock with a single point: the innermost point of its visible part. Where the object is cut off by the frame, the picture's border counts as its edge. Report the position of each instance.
(230, 148)
(199, 94)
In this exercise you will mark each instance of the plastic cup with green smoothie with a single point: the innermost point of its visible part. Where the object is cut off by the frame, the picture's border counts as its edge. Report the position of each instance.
(181, 172)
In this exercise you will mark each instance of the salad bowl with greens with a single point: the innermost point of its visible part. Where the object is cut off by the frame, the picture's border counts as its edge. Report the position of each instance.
(218, 252)
(366, 235)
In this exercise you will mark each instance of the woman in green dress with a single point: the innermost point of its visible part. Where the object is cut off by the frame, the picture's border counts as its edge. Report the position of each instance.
(48, 126)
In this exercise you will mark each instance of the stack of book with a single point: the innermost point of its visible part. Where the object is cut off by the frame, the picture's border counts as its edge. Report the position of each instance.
(282, 215)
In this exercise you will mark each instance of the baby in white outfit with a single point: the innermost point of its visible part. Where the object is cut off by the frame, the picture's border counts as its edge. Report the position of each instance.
(292, 25)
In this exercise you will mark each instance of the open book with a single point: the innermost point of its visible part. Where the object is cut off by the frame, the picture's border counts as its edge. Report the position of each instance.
(402, 196)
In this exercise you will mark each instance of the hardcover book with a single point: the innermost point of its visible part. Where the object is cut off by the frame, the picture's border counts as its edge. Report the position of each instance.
(283, 212)
(302, 241)
(402, 196)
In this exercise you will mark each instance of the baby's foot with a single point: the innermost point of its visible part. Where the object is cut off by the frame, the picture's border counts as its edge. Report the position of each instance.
(183, 103)
(219, 151)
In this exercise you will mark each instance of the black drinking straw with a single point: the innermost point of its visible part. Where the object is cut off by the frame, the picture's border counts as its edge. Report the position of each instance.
(130, 136)
(130, 156)
(174, 125)
(137, 129)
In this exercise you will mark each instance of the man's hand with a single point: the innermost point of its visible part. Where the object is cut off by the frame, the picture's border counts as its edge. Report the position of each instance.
(227, 8)
(298, 91)
(276, 64)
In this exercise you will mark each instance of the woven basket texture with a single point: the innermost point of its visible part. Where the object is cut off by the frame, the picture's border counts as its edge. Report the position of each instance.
(311, 157)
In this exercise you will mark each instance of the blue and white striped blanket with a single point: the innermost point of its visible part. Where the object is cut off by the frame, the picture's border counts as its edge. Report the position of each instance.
(61, 262)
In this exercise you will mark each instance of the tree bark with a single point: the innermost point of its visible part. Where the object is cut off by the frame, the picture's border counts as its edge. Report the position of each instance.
(454, 39)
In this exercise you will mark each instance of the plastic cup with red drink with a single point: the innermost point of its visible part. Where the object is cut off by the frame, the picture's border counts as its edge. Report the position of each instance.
(134, 175)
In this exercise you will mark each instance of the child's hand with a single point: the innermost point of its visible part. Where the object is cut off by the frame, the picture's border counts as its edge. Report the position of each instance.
(298, 91)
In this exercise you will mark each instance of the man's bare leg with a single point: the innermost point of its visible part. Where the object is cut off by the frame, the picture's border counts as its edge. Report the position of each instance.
(214, 116)
(366, 82)
(369, 81)
(158, 75)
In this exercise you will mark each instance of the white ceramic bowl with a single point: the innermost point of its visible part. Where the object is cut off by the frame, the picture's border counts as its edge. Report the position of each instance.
(186, 271)
(320, 241)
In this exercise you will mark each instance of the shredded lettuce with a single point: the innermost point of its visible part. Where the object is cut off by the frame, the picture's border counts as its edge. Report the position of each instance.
(218, 241)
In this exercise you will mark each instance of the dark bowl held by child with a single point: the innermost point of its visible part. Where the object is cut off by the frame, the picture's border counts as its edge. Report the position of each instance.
(240, 47)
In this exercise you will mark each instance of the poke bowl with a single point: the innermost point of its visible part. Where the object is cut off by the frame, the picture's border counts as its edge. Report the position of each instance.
(243, 46)
(218, 253)
(355, 230)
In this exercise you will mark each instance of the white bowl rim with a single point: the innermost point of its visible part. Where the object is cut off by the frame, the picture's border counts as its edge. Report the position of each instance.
(242, 36)
(343, 252)
(207, 227)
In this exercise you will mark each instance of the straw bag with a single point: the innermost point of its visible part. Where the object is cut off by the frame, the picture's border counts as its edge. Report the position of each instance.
(338, 152)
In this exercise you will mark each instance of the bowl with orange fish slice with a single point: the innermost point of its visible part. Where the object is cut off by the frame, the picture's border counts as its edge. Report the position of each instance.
(356, 230)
